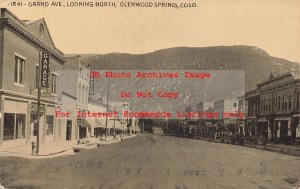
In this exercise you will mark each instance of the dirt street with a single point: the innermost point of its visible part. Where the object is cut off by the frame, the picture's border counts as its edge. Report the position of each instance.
(153, 161)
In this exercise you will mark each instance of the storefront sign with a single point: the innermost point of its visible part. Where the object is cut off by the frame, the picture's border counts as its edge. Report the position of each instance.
(92, 80)
(34, 107)
(45, 70)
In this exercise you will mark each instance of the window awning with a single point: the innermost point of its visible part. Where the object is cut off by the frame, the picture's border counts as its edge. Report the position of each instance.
(83, 123)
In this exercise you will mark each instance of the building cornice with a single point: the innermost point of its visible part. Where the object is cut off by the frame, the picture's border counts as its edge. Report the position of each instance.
(16, 27)
(24, 97)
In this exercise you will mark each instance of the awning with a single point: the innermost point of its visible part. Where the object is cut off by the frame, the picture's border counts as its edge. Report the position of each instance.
(283, 118)
(99, 122)
(118, 125)
(96, 122)
(208, 124)
(83, 123)
(262, 120)
(230, 121)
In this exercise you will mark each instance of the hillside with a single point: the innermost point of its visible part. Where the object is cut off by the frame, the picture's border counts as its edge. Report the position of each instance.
(256, 62)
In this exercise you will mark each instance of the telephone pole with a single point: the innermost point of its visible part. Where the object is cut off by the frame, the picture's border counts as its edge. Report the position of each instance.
(44, 66)
(38, 109)
(107, 96)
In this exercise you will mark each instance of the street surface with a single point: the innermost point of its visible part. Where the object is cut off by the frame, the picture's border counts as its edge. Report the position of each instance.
(154, 161)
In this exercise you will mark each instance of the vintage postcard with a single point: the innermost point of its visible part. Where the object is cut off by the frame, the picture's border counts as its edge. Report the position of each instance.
(154, 94)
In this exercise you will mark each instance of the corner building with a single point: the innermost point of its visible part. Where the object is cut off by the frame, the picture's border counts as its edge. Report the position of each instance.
(274, 109)
(21, 45)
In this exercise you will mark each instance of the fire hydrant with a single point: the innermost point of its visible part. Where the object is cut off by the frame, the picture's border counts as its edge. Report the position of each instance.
(33, 148)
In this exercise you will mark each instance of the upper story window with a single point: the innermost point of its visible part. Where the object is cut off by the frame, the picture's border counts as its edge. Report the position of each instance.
(19, 69)
(297, 101)
(54, 83)
(42, 30)
(82, 95)
(37, 75)
(79, 93)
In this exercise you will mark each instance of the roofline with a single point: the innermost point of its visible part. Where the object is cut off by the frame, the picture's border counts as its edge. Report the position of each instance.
(24, 25)
(13, 15)
(275, 78)
(8, 22)
(45, 23)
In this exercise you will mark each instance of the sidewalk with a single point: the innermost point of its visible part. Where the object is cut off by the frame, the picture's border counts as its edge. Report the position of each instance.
(58, 148)
(293, 150)
(280, 148)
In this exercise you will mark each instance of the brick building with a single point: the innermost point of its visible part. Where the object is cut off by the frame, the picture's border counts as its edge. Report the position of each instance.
(277, 111)
(253, 101)
(21, 45)
(242, 111)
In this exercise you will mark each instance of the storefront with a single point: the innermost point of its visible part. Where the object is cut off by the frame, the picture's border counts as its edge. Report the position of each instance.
(20, 122)
(84, 128)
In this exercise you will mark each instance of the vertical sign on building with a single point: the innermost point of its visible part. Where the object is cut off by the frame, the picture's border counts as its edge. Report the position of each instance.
(93, 75)
(45, 69)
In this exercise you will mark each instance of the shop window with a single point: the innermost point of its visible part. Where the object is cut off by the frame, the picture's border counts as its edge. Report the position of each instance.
(49, 122)
(54, 83)
(297, 101)
(9, 126)
(282, 106)
(20, 125)
(82, 95)
(290, 102)
(14, 126)
(19, 70)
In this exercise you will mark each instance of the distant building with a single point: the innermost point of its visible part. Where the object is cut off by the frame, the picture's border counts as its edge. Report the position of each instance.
(227, 122)
(253, 100)
(242, 112)
(75, 82)
(98, 124)
(225, 106)
(205, 106)
(279, 107)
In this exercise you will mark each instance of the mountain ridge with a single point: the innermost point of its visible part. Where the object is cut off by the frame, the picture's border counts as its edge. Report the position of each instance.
(256, 62)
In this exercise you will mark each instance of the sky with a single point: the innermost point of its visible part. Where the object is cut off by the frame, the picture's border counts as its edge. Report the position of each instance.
(272, 25)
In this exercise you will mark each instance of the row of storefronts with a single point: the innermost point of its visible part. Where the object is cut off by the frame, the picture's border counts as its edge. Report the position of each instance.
(270, 113)
(273, 109)
(22, 44)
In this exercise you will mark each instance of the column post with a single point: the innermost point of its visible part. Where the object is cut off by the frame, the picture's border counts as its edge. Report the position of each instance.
(1, 120)
(28, 126)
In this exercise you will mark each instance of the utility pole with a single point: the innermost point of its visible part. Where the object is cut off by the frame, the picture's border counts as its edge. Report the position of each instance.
(44, 65)
(107, 96)
(114, 122)
(38, 108)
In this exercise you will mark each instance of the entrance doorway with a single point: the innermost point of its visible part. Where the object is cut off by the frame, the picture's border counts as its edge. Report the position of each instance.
(82, 132)
(33, 124)
(69, 130)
